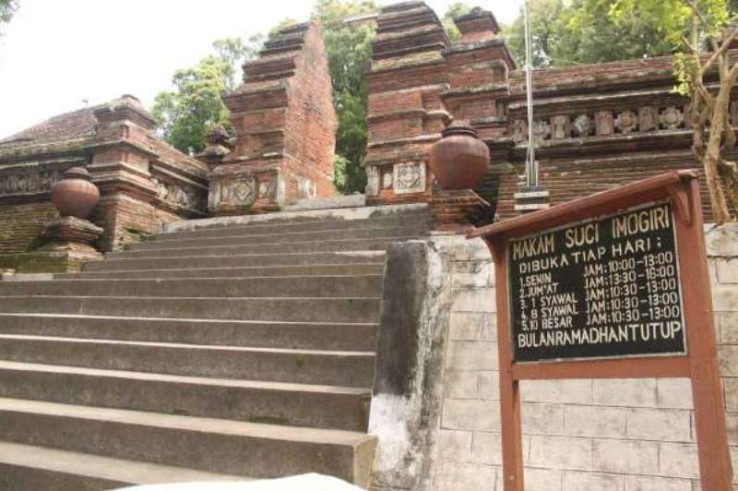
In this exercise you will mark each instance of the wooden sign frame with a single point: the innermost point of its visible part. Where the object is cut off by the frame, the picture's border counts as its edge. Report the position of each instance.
(700, 364)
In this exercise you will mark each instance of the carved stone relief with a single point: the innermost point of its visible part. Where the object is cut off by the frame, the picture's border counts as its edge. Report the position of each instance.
(671, 118)
(647, 119)
(560, 127)
(583, 125)
(306, 189)
(33, 180)
(237, 192)
(520, 130)
(409, 178)
(626, 122)
(180, 196)
(372, 180)
(541, 130)
(605, 124)
(268, 188)
(387, 180)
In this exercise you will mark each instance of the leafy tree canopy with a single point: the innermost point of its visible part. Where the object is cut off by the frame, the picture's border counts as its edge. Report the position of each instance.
(701, 32)
(187, 113)
(585, 31)
(7, 9)
(456, 9)
(348, 46)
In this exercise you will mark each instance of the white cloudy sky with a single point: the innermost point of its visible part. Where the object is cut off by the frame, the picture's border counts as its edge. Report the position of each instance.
(56, 54)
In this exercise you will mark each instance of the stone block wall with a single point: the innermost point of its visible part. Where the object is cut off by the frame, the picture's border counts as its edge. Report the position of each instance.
(619, 435)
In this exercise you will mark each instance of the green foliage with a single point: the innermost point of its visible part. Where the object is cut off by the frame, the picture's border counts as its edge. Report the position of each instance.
(456, 9)
(186, 114)
(7, 9)
(349, 51)
(586, 31)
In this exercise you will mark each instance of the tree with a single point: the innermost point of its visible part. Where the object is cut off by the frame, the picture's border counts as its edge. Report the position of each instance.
(583, 31)
(702, 32)
(349, 50)
(185, 115)
(7, 9)
(456, 9)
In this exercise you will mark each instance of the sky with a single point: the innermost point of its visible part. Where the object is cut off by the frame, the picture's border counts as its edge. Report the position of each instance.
(56, 55)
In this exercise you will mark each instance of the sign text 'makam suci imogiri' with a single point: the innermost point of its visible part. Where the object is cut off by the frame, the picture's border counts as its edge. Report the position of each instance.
(605, 288)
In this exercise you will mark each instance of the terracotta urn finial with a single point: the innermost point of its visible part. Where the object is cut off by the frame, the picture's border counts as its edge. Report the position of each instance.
(75, 195)
(460, 159)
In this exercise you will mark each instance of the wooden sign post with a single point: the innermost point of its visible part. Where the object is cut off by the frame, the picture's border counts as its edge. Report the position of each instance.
(614, 285)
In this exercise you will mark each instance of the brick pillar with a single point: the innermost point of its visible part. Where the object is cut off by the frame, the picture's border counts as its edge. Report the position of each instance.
(478, 69)
(406, 116)
(121, 169)
(284, 125)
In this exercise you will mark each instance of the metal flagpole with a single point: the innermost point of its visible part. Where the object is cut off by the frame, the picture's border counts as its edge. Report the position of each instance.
(531, 166)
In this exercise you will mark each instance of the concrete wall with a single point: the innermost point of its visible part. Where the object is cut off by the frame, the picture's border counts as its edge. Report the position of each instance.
(620, 435)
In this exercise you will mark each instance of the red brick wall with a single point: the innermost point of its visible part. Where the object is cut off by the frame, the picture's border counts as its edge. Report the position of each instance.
(22, 224)
(310, 123)
(127, 219)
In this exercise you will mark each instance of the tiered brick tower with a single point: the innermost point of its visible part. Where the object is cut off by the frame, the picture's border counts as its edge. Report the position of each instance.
(285, 128)
(406, 116)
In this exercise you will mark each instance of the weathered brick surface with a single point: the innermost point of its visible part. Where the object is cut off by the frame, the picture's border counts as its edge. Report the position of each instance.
(285, 128)
(21, 225)
(128, 163)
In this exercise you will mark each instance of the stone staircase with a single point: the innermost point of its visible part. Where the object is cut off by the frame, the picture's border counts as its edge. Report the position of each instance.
(235, 348)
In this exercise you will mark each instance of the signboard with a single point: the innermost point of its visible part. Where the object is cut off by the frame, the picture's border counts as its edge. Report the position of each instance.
(598, 288)
(602, 288)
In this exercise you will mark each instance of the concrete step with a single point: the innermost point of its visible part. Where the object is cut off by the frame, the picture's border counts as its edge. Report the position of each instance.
(309, 270)
(277, 223)
(339, 368)
(183, 261)
(297, 286)
(212, 445)
(376, 244)
(335, 310)
(242, 400)
(32, 468)
(411, 230)
(294, 335)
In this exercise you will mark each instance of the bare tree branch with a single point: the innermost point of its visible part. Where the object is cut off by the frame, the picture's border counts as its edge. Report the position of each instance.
(695, 8)
(720, 52)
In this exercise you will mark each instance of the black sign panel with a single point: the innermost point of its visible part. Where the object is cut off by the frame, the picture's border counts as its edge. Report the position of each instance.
(605, 288)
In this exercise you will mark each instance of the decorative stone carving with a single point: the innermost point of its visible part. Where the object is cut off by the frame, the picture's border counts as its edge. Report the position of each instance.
(234, 192)
(605, 123)
(560, 127)
(306, 189)
(626, 122)
(541, 130)
(520, 130)
(583, 125)
(647, 118)
(671, 118)
(387, 180)
(180, 196)
(29, 181)
(268, 188)
(372, 180)
(409, 177)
